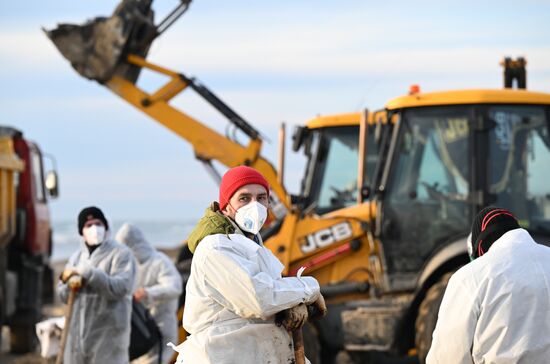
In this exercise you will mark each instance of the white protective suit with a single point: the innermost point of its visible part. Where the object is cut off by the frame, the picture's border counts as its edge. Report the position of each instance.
(496, 309)
(161, 280)
(99, 331)
(232, 295)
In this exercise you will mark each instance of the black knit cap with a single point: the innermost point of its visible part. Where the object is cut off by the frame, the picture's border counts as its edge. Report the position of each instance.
(89, 213)
(488, 226)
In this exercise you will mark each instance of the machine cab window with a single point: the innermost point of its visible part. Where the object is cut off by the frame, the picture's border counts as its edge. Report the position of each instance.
(331, 175)
(519, 149)
(428, 188)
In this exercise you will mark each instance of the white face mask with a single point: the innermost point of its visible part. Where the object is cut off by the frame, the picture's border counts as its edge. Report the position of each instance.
(251, 217)
(94, 235)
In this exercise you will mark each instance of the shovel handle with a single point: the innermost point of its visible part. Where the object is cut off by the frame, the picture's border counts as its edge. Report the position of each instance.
(72, 296)
(299, 352)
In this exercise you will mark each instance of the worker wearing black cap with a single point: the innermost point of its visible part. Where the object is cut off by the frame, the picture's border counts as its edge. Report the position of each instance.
(497, 308)
(93, 225)
(104, 271)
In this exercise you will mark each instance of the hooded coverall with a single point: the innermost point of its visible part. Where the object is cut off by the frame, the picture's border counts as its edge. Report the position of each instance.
(99, 331)
(161, 280)
(496, 309)
(233, 293)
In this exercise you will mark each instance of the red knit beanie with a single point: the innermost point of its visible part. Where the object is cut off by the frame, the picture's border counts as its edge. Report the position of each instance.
(236, 178)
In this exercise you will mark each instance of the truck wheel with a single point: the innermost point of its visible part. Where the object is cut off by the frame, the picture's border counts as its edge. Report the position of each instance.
(427, 316)
(47, 285)
(22, 339)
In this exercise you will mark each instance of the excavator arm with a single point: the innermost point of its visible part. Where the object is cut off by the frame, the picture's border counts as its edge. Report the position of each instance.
(112, 52)
(208, 144)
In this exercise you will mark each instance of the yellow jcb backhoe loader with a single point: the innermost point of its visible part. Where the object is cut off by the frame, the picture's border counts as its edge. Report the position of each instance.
(387, 197)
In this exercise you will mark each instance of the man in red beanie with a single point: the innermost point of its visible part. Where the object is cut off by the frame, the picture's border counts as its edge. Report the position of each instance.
(497, 308)
(235, 290)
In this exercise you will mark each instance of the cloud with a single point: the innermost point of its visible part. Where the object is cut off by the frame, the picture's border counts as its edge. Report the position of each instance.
(319, 59)
(351, 41)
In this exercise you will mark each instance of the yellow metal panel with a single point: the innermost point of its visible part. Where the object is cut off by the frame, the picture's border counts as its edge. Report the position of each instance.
(8, 158)
(379, 116)
(324, 272)
(334, 120)
(504, 96)
(287, 244)
(364, 211)
(346, 119)
(281, 243)
(9, 165)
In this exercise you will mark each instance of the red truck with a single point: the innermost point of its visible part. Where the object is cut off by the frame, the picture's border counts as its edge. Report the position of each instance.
(26, 277)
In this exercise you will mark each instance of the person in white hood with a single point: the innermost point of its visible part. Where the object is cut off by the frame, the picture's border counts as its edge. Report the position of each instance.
(496, 309)
(158, 285)
(104, 271)
(235, 290)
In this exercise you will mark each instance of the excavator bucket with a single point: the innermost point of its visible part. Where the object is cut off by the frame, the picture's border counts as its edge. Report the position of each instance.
(97, 49)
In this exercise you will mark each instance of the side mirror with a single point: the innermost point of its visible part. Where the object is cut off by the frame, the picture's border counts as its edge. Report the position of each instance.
(52, 184)
(365, 192)
(300, 133)
(298, 201)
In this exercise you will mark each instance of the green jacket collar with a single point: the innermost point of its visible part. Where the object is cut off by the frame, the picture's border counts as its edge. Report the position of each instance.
(213, 222)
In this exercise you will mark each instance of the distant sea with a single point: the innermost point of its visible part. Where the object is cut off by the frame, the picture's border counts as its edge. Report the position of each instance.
(161, 234)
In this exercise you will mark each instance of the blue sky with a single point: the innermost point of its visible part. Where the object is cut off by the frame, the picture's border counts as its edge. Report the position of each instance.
(272, 61)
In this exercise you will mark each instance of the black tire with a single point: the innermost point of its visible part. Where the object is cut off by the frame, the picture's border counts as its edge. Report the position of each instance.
(48, 285)
(427, 316)
(22, 338)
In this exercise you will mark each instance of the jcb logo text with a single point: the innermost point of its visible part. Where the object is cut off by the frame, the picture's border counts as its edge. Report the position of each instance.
(326, 237)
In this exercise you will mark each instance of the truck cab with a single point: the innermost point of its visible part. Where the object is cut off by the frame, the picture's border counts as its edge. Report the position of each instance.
(28, 278)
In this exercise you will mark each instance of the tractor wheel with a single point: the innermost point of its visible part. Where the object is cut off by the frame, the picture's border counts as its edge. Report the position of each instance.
(427, 316)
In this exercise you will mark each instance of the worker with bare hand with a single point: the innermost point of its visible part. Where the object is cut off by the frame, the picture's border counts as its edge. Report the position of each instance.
(99, 330)
(235, 289)
(158, 287)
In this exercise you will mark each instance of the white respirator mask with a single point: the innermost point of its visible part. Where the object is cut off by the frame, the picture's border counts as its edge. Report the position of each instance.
(94, 235)
(251, 217)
